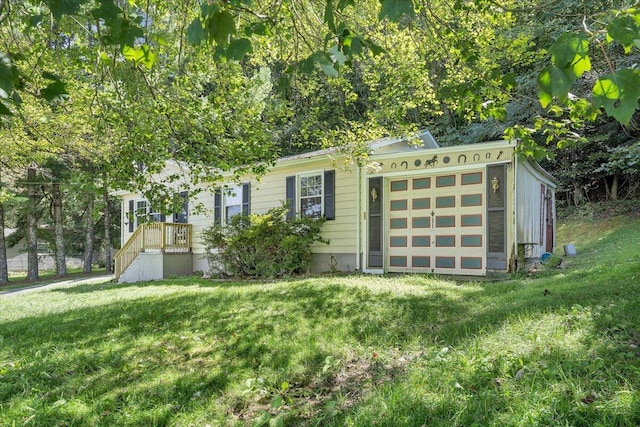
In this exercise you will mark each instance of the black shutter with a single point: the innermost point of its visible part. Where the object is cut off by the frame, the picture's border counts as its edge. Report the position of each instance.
(132, 216)
(291, 196)
(246, 198)
(217, 207)
(329, 194)
(182, 217)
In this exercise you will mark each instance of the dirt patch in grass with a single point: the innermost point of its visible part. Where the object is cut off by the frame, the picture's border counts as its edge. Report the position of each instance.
(340, 386)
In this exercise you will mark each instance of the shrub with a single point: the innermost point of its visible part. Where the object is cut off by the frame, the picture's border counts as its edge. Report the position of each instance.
(262, 245)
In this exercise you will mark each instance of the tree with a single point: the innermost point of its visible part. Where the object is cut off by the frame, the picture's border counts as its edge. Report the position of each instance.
(4, 270)
(32, 222)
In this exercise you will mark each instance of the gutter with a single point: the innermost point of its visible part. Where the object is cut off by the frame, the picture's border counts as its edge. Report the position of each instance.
(358, 216)
(515, 206)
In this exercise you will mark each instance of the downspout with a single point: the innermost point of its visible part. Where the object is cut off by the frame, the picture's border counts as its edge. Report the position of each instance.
(358, 215)
(123, 216)
(515, 206)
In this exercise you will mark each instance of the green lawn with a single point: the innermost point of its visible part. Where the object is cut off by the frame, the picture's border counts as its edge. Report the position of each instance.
(560, 347)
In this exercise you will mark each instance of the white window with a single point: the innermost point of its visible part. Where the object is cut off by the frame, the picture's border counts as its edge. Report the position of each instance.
(232, 201)
(142, 209)
(143, 213)
(311, 192)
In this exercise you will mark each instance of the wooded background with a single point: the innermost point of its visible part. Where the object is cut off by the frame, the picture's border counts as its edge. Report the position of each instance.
(95, 95)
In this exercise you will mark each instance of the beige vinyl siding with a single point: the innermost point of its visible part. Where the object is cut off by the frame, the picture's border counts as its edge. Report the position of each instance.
(201, 220)
(342, 231)
(270, 192)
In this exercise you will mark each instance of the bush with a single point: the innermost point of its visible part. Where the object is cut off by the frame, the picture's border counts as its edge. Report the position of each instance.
(262, 245)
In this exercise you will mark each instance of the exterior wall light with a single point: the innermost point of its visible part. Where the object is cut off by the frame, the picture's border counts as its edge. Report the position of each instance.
(495, 184)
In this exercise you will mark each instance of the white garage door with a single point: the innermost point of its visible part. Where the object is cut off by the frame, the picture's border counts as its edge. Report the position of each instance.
(436, 224)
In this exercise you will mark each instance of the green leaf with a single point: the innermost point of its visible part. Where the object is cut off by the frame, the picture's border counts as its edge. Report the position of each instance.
(55, 91)
(108, 11)
(64, 7)
(352, 45)
(324, 61)
(624, 30)
(121, 32)
(239, 48)
(206, 9)
(552, 82)
(509, 81)
(278, 421)
(262, 420)
(337, 56)
(50, 76)
(277, 401)
(618, 93)
(375, 49)
(571, 52)
(220, 25)
(497, 113)
(195, 32)
(328, 16)
(35, 20)
(140, 55)
(284, 84)
(394, 9)
(343, 4)
(568, 45)
(4, 111)
(104, 58)
(257, 28)
(307, 66)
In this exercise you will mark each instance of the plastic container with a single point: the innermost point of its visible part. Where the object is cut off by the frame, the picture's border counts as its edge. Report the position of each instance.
(569, 249)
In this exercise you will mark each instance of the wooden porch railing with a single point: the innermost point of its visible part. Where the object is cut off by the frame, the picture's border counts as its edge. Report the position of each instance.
(160, 236)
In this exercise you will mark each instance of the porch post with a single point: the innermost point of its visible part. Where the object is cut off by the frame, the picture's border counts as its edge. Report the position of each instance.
(163, 229)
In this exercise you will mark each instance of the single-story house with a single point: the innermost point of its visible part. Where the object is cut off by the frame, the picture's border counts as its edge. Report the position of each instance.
(473, 209)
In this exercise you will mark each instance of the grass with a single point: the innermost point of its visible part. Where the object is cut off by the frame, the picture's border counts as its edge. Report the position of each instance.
(558, 347)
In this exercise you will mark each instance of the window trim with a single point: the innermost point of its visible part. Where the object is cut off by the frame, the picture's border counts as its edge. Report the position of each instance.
(220, 201)
(328, 196)
(150, 215)
(299, 177)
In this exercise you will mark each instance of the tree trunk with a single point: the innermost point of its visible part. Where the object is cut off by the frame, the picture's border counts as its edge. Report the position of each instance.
(61, 250)
(107, 227)
(32, 225)
(4, 268)
(578, 194)
(614, 187)
(89, 234)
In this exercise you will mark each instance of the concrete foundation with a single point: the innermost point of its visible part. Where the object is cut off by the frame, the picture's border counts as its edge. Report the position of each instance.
(157, 266)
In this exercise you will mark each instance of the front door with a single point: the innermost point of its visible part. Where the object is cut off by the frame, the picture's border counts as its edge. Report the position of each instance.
(436, 224)
(496, 218)
(549, 219)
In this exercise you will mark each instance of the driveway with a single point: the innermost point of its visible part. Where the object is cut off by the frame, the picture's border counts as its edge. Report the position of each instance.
(93, 280)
